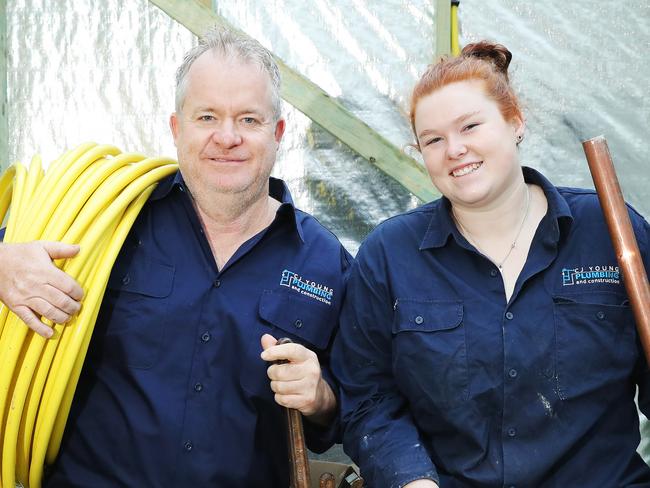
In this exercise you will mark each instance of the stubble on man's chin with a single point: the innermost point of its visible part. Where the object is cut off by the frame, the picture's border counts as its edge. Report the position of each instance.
(230, 200)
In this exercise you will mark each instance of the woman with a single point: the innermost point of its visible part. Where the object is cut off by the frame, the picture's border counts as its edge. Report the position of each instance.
(486, 338)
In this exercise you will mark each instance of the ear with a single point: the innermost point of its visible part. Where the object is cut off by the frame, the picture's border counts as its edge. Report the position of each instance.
(173, 125)
(519, 125)
(279, 130)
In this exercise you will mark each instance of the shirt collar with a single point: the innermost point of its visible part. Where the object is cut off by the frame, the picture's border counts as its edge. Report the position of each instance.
(277, 189)
(166, 185)
(442, 226)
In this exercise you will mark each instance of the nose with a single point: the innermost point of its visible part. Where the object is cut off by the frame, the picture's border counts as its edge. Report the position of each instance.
(455, 148)
(227, 135)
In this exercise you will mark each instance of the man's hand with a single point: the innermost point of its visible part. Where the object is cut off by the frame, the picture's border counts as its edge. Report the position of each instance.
(32, 286)
(298, 384)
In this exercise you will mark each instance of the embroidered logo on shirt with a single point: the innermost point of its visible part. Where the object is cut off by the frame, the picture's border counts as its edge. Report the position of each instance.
(591, 274)
(306, 287)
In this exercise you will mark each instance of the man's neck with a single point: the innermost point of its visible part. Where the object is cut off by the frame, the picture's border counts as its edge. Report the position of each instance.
(228, 222)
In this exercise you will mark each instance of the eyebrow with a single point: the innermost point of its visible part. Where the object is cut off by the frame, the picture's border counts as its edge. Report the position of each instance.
(204, 108)
(466, 116)
(457, 120)
(208, 108)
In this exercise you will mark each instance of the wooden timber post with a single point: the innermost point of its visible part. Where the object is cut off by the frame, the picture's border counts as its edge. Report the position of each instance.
(314, 102)
(443, 28)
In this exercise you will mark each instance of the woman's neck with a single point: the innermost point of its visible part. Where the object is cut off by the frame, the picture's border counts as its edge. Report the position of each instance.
(504, 232)
(501, 218)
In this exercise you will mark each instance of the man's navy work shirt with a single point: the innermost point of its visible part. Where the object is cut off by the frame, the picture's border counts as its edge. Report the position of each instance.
(442, 379)
(173, 391)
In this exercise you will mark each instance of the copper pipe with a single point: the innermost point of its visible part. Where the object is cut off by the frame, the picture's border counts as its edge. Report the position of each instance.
(298, 462)
(326, 480)
(620, 230)
(297, 450)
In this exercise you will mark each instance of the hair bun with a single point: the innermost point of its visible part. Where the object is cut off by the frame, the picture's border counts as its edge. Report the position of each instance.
(496, 54)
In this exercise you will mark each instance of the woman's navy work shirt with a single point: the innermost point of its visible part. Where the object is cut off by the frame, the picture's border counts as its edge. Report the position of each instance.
(442, 379)
(174, 392)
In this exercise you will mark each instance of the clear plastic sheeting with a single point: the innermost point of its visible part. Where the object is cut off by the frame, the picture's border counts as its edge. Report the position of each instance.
(581, 70)
(89, 70)
(83, 70)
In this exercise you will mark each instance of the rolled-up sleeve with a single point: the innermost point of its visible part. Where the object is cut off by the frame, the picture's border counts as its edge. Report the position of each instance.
(379, 432)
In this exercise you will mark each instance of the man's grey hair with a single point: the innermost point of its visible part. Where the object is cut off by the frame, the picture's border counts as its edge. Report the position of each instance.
(227, 42)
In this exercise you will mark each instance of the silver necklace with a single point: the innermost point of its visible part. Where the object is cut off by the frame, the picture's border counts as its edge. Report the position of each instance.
(472, 239)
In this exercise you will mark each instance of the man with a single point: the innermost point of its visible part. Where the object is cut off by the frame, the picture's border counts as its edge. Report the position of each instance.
(174, 392)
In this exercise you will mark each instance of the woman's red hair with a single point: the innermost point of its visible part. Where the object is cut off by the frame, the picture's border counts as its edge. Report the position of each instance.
(485, 61)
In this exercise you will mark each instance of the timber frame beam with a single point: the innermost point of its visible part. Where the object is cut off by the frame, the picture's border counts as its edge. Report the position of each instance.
(443, 28)
(314, 102)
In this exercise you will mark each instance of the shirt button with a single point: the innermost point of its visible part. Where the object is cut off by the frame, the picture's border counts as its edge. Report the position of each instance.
(493, 273)
(509, 315)
(298, 323)
(198, 387)
(419, 319)
(126, 280)
(217, 283)
(512, 373)
(512, 432)
(600, 314)
(188, 446)
(205, 337)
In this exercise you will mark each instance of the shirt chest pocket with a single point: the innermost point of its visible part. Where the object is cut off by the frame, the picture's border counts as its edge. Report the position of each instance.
(430, 351)
(595, 343)
(283, 313)
(135, 314)
(303, 320)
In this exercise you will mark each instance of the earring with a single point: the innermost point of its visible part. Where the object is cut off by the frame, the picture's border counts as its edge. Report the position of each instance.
(520, 138)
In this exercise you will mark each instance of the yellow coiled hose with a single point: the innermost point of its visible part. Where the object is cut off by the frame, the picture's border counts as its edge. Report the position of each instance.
(90, 196)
